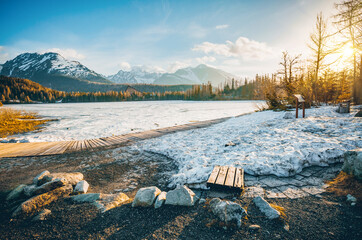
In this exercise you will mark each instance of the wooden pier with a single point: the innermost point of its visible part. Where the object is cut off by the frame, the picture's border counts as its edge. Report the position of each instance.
(54, 148)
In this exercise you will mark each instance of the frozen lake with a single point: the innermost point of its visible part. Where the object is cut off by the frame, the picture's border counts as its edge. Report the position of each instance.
(79, 121)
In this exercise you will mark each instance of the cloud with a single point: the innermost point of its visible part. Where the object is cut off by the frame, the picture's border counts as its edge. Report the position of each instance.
(67, 53)
(243, 47)
(206, 59)
(3, 55)
(125, 66)
(173, 67)
(222, 26)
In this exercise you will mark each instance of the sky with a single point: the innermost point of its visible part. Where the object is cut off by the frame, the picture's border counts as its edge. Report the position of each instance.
(240, 37)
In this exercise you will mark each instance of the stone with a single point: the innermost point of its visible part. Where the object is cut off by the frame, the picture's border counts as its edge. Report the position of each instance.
(89, 197)
(42, 215)
(16, 193)
(264, 207)
(81, 187)
(109, 201)
(350, 198)
(72, 178)
(274, 193)
(359, 114)
(160, 199)
(252, 192)
(40, 176)
(353, 163)
(289, 115)
(42, 200)
(227, 211)
(254, 227)
(46, 187)
(293, 192)
(202, 201)
(181, 196)
(145, 197)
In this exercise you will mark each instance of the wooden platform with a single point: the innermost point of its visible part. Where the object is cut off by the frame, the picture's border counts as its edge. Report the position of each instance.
(55, 148)
(226, 178)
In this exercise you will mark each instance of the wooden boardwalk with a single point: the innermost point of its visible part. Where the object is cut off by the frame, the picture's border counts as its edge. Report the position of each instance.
(54, 148)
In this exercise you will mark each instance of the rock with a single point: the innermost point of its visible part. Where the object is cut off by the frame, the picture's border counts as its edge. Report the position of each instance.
(42, 200)
(160, 199)
(40, 176)
(42, 215)
(230, 144)
(145, 197)
(227, 211)
(202, 201)
(359, 114)
(181, 196)
(72, 178)
(351, 199)
(46, 187)
(81, 187)
(252, 192)
(16, 193)
(89, 197)
(109, 201)
(254, 227)
(288, 115)
(353, 163)
(265, 208)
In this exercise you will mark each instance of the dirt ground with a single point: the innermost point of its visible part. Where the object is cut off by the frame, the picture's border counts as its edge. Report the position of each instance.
(127, 170)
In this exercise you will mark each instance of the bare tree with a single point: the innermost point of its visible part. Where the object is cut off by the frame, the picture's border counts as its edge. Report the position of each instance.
(288, 64)
(349, 22)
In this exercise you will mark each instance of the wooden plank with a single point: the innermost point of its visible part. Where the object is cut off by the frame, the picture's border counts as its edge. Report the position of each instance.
(230, 177)
(222, 175)
(40, 149)
(52, 150)
(239, 178)
(213, 175)
(97, 143)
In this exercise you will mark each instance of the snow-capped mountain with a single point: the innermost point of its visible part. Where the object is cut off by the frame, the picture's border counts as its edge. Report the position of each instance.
(197, 75)
(137, 74)
(33, 65)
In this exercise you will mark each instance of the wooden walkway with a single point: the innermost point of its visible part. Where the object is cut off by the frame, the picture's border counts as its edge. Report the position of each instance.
(54, 148)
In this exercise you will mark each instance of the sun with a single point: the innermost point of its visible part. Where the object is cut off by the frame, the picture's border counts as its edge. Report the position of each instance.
(347, 51)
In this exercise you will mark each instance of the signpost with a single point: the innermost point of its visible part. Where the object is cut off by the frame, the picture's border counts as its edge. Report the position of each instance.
(299, 99)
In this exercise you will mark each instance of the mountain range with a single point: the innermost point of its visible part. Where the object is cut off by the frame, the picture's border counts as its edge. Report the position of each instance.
(54, 71)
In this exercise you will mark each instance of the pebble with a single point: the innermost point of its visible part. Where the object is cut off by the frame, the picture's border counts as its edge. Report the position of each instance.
(254, 227)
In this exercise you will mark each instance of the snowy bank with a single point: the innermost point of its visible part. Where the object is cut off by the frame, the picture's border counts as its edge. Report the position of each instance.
(265, 143)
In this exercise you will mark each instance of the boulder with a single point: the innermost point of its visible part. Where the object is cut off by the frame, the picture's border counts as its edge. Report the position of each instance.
(42, 215)
(145, 197)
(72, 178)
(353, 163)
(89, 197)
(264, 207)
(42, 200)
(16, 193)
(227, 211)
(160, 199)
(40, 176)
(181, 196)
(288, 115)
(109, 201)
(81, 187)
(46, 187)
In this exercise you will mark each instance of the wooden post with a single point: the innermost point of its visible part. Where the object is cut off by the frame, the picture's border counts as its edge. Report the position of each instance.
(303, 110)
(296, 110)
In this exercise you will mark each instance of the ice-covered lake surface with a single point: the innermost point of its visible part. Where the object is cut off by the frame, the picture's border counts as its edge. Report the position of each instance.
(79, 121)
(263, 143)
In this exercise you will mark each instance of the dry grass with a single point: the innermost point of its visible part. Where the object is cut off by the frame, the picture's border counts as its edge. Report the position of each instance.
(15, 121)
(345, 184)
(279, 209)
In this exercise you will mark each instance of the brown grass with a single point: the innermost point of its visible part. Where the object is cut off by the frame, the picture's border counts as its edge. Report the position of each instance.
(345, 184)
(279, 209)
(15, 121)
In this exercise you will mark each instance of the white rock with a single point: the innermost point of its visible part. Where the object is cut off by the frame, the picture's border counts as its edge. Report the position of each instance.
(81, 187)
(181, 196)
(288, 115)
(145, 197)
(89, 197)
(350, 198)
(72, 178)
(16, 193)
(109, 201)
(227, 211)
(160, 199)
(40, 176)
(265, 208)
(202, 201)
(46, 187)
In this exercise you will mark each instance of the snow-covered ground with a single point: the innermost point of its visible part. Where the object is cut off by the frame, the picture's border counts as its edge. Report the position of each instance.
(265, 143)
(79, 121)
